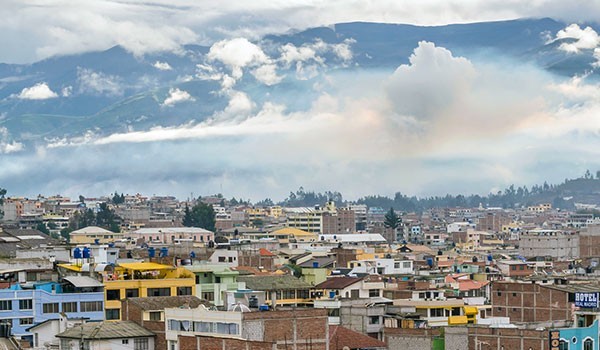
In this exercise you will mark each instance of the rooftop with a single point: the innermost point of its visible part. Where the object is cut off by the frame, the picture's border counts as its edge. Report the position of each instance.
(106, 330)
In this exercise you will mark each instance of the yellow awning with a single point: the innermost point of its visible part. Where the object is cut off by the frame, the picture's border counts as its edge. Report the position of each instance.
(457, 320)
(471, 310)
(70, 267)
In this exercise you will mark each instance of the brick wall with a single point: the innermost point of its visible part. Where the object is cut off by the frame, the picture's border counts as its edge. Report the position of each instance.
(524, 302)
(482, 338)
(304, 328)
(132, 312)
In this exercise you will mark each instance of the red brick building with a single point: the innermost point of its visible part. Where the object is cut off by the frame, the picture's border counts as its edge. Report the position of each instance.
(149, 313)
(530, 302)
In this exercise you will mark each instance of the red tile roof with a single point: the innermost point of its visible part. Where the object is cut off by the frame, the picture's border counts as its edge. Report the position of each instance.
(264, 252)
(339, 337)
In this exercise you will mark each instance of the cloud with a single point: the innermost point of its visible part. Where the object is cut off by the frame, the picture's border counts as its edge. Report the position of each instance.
(99, 83)
(162, 65)
(481, 125)
(585, 39)
(29, 34)
(177, 96)
(39, 91)
(267, 74)
(237, 54)
(432, 82)
(7, 145)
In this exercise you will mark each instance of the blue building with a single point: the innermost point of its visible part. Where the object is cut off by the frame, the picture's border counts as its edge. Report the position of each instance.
(23, 306)
(579, 338)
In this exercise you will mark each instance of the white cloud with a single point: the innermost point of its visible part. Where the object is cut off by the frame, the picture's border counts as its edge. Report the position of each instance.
(237, 54)
(7, 145)
(432, 82)
(584, 38)
(66, 91)
(94, 82)
(29, 34)
(177, 96)
(39, 91)
(267, 74)
(162, 65)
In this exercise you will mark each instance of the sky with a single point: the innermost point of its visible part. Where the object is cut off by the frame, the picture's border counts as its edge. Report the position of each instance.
(441, 123)
(35, 29)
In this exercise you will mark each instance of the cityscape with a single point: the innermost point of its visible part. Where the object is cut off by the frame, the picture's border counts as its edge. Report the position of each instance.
(299, 175)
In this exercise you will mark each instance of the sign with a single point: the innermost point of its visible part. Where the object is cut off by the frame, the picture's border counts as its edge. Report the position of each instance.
(586, 300)
(554, 340)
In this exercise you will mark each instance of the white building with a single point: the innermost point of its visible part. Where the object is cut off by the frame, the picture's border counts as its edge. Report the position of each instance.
(382, 267)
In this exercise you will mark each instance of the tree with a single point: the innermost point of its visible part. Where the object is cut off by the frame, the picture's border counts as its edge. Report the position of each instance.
(81, 199)
(2, 194)
(202, 215)
(42, 228)
(392, 220)
(118, 199)
(187, 217)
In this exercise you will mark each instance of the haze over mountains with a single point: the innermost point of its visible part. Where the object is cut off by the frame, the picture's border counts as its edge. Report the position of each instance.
(386, 103)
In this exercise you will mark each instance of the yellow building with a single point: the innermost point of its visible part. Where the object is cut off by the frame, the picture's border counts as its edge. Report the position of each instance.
(94, 234)
(144, 279)
(287, 234)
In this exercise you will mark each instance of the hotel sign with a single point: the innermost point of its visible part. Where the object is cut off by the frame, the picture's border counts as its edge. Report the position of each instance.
(586, 300)
(554, 340)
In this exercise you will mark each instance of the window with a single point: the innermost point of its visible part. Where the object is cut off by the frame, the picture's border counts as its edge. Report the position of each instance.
(563, 345)
(112, 314)
(203, 327)
(90, 306)
(455, 311)
(373, 319)
(113, 294)
(125, 341)
(5, 305)
(333, 312)
(132, 293)
(159, 292)
(50, 308)
(155, 315)
(69, 307)
(302, 294)
(373, 293)
(25, 321)
(184, 290)
(588, 344)
(208, 295)
(66, 344)
(140, 344)
(227, 328)
(289, 294)
(174, 325)
(25, 304)
(437, 312)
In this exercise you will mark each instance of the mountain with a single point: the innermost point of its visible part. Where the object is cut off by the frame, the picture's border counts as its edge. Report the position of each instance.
(115, 91)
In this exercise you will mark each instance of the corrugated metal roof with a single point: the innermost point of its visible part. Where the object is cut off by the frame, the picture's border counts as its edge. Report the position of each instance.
(282, 282)
(106, 330)
(83, 281)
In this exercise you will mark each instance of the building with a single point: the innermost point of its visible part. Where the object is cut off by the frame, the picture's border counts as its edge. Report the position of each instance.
(135, 279)
(213, 280)
(27, 305)
(532, 302)
(242, 328)
(338, 220)
(94, 235)
(305, 218)
(150, 313)
(120, 335)
(170, 235)
(557, 244)
(282, 290)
